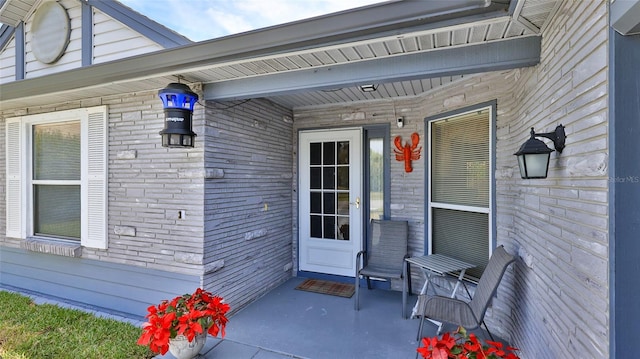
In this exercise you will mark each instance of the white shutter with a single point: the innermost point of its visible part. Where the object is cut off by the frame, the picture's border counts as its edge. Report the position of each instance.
(94, 191)
(15, 226)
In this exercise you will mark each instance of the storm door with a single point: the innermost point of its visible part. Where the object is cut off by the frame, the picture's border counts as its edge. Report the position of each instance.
(330, 208)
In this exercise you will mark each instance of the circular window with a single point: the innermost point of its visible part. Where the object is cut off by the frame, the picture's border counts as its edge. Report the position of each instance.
(50, 32)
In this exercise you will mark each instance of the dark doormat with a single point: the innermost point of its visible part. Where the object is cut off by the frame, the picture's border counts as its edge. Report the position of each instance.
(327, 287)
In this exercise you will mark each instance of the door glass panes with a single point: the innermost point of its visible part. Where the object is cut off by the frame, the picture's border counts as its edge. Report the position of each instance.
(316, 202)
(343, 204)
(343, 153)
(316, 178)
(315, 157)
(329, 203)
(343, 177)
(376, 178)
(316, 226)
(329, 190)
(329, 177)
(56, 179)
(329, 153)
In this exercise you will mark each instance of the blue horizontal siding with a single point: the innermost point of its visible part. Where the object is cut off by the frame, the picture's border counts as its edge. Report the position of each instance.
(114, 287)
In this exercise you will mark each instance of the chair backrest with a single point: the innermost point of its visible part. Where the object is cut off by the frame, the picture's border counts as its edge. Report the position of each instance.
(489, 281)
(388, 243)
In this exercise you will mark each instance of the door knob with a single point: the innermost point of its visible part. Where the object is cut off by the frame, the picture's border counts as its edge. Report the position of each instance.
(357, 202)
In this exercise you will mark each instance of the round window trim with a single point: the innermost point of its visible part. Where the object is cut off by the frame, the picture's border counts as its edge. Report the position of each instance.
(50, 32)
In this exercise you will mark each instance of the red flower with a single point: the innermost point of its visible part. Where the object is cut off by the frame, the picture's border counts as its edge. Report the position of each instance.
(188, 315)
(463, 346)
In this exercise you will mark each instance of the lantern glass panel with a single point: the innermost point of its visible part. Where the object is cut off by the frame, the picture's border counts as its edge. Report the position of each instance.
(534, 165)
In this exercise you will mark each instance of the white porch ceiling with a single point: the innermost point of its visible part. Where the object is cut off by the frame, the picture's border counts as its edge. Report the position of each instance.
(526, 19)
(13, 11)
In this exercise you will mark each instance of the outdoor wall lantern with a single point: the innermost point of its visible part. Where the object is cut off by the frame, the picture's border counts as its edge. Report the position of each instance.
(533, 156)
(178, 101)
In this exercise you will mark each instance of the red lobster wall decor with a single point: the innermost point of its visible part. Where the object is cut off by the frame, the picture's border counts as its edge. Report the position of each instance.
(408, 152)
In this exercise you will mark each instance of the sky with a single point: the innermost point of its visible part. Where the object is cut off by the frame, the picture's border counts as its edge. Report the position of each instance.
(207, 19)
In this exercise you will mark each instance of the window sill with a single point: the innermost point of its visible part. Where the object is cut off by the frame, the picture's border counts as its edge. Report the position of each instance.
(50, 246)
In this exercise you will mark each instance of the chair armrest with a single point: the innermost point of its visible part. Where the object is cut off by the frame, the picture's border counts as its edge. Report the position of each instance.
(359, 260)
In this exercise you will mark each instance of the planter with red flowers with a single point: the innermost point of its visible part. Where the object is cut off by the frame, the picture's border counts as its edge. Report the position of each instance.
(462, 346)
(180, 326)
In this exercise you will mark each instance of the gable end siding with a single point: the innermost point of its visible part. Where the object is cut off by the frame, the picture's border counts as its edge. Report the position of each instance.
(113, 40)
(8, 56)
(141, 24)
(72, 57)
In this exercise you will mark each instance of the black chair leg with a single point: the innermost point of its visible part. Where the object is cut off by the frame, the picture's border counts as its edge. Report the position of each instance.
(368, 283)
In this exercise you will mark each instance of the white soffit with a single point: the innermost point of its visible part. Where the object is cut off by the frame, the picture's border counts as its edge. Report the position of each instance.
(12, 12)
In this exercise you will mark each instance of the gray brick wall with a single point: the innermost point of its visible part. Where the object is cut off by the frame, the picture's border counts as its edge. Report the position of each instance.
(247, 208)
(148, 185)
(559, 226)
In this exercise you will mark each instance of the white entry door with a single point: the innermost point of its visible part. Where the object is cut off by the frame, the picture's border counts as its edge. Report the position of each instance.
(330, 208)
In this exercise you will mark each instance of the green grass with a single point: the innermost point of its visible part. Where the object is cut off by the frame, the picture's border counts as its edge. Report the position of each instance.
(30, 331)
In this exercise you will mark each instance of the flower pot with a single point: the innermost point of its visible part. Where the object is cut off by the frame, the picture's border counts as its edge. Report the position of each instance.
(181, 348)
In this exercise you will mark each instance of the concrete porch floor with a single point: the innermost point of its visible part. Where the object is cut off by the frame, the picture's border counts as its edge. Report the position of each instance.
(288, 323)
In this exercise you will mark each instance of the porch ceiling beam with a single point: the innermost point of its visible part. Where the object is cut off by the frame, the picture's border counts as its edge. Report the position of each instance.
(625, 16)
(492, 56)
(373, 21)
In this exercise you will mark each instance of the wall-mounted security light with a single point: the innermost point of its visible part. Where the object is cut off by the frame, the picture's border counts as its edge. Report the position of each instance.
(533, 156)
(178, 101)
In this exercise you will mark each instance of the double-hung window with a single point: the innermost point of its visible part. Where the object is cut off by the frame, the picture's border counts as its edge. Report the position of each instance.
(57, 176)
(459, 185)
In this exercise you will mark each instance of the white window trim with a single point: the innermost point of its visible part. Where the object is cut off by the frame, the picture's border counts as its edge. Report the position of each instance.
(486, 210)
(93, 181)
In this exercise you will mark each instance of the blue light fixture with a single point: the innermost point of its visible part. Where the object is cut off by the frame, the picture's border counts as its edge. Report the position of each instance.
(178, 101)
